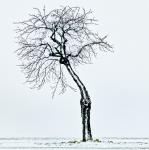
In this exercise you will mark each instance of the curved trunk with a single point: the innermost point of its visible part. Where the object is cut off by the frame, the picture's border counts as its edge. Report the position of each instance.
(85, 103)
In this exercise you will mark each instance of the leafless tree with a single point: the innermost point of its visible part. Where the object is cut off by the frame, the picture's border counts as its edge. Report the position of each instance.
(50, 42)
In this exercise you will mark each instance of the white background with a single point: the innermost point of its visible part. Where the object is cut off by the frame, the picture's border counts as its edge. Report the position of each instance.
(118, 82)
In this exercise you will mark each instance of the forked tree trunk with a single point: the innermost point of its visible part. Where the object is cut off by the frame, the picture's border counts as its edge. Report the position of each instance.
(85, 103)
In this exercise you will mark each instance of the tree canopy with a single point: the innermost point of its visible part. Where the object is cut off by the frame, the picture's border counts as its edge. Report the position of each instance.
(48, 41)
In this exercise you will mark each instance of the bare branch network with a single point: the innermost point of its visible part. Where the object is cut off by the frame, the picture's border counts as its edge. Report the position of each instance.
(51, 40)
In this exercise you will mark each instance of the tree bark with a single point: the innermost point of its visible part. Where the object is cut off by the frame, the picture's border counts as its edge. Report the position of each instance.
(85, 103)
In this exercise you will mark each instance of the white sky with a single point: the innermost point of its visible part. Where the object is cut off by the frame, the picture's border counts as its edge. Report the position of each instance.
(118, 82)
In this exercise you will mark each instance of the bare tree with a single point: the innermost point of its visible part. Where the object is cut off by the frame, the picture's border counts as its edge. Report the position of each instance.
(50, 42)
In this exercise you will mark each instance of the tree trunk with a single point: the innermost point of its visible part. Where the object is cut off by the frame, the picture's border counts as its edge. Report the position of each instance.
(85, 103)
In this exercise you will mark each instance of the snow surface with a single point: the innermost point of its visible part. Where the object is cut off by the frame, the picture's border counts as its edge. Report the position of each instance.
(112, 143)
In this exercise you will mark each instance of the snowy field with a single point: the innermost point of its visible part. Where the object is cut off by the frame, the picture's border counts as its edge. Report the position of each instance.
(72, 143)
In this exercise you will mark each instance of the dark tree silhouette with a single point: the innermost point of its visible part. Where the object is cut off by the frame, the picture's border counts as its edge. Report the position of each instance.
(50, 42)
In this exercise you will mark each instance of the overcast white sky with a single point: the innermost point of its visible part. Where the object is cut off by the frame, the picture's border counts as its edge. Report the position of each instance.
(118, 82)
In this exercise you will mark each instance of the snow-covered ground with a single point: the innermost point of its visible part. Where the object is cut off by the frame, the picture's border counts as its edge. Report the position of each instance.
(112, 143)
